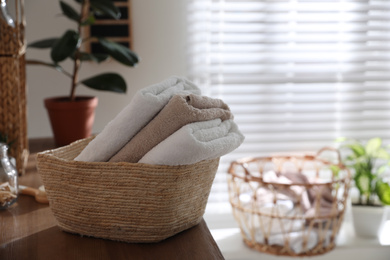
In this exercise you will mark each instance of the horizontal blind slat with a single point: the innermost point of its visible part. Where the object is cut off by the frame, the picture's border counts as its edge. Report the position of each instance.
(296, 74)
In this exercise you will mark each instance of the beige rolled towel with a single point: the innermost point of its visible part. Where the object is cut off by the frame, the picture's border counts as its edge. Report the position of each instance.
(180, 110)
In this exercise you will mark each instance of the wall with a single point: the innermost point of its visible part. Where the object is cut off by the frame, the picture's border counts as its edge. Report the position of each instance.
(159, 40)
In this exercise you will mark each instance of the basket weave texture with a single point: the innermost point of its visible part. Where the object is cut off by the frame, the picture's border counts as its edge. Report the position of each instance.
(129, 202)
(13, 101)
(272, 214)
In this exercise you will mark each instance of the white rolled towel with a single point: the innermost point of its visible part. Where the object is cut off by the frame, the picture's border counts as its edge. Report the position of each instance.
(196, 142)
(143, 107)
(299, 242)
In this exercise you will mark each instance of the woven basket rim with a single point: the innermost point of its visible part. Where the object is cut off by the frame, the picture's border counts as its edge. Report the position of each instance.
(275, 250)
(52, 154)
(308, 157)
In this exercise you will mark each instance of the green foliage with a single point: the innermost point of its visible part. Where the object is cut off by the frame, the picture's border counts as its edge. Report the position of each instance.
(42, 44)
(68, 46)
(369, 161)
(383, 191)
(105, 7)
(335, 170)
(65, 46)
(69, 12)
(119, 52)
(100, 82)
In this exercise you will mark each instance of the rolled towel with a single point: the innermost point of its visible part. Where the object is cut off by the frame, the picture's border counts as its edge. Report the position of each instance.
(299, 242)
(196, 142)
(279, 218)
(180, 110)
(143, 107)
(317, 200)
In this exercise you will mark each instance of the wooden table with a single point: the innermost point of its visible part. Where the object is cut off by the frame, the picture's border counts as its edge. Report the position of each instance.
(28, 230)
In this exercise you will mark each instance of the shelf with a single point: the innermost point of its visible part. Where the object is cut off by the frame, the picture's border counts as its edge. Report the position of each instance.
(119, 31)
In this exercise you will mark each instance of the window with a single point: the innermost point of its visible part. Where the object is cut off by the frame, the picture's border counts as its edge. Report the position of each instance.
(296, 73)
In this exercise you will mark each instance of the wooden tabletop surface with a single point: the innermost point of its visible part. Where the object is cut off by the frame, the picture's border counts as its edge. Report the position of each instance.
(28, 230)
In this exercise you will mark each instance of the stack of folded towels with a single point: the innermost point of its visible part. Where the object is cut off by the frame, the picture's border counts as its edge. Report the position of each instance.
(169, 123)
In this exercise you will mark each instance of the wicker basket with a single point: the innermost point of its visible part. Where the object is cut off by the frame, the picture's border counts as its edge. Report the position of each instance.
(13, 115)
(288, 205)
(129, 202)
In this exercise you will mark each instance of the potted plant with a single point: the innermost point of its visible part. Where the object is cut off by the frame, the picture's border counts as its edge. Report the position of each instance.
(72, 116)
(369, 162)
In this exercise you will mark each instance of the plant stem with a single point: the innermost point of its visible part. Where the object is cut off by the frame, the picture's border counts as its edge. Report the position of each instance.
(56, 67)
(77, 61)
(76, 67)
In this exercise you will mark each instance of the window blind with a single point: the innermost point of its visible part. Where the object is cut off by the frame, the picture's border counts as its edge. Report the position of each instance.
(296, 73)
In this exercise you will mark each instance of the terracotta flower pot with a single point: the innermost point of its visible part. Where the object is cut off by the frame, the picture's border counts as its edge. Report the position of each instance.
(71, 121)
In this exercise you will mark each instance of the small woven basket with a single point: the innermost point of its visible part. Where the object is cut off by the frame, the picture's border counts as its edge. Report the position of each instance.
(129, 202)
(289, 205)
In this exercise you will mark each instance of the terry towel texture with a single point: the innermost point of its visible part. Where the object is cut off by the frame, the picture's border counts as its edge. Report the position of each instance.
(144, 106)
(196, 142)
(180, 110)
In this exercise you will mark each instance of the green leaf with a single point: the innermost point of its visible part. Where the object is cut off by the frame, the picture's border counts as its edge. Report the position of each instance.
(383, 191)
(335, 170)
(69, 12)
(357, 149)
(382, 154)
(65, 46)
(119, 52)
(55, 66)
(363, 183)
(362, 166)
(382, 169)
(107, 82)
(373, 145)
(42, 44)
(350, 158)
(96, 57)
(106, 7)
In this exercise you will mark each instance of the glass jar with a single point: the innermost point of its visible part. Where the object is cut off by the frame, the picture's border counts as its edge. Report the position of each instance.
(8, 179)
